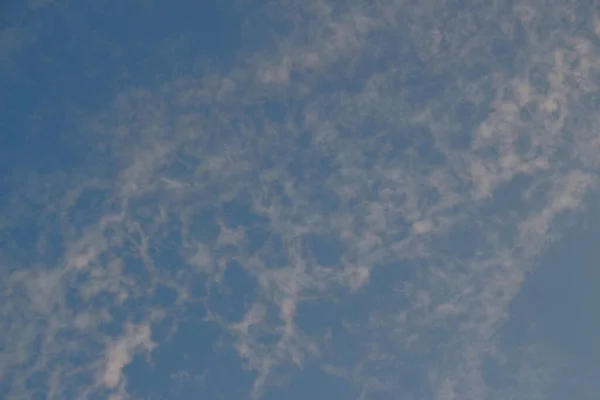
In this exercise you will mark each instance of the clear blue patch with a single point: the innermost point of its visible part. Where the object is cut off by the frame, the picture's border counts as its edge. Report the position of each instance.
(326, 249)
(316, 317)
(194, 349)
(234, 295)
(37, 381)
(239, 213)
(34, 139)
(504, 52)
(558, 302)
(89, 207)
(257, 237)
(164, 296)
(275, 110)
(496, 375)
(205, 227)
(19, 240)
(198, 289)
(313, 383)
(310, 167)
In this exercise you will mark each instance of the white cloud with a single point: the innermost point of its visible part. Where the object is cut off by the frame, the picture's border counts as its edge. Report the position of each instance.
(120, 353)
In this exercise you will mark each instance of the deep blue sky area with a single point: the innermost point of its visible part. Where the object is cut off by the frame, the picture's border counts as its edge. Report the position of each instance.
(299, 199)
(85, 53)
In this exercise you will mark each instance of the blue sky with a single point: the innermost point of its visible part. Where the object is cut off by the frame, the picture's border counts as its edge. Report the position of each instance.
(299, 199)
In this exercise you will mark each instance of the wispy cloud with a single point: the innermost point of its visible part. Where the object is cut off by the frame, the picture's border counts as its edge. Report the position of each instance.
(432, 150)
(120, 353)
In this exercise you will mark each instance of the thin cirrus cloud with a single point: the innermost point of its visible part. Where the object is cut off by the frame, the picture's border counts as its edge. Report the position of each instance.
(375, 229)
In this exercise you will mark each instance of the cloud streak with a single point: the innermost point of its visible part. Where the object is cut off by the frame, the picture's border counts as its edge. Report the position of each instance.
(434, 186)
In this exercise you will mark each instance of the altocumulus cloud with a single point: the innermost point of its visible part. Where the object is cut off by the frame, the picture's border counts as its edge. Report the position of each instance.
(361, 197)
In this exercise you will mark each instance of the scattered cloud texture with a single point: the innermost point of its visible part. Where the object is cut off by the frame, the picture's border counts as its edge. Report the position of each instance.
(348, 200)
